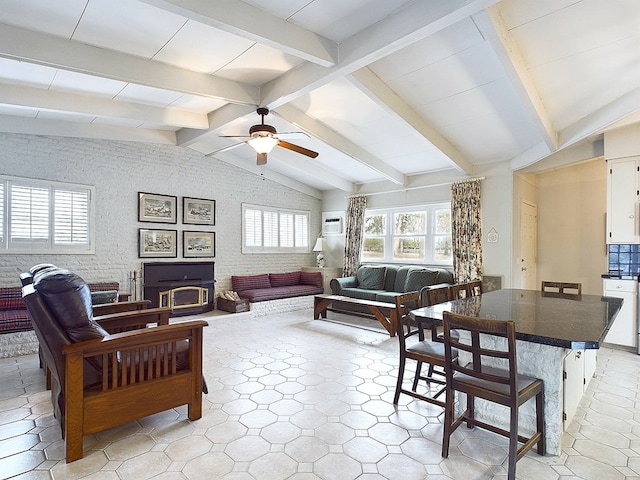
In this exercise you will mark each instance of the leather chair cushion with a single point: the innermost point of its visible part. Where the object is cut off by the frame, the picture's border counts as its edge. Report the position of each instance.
(68, 297)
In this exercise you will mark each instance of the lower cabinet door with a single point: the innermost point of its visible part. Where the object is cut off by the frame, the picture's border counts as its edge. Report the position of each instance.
(573, 384)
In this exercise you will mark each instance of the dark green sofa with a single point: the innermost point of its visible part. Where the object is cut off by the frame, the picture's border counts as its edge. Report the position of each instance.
(383, 283)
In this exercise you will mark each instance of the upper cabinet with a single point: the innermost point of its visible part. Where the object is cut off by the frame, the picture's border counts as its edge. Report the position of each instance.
(622, 200)
(622, 152)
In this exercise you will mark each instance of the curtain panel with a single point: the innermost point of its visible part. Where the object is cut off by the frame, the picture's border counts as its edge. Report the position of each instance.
(466, 231)
(353, 234)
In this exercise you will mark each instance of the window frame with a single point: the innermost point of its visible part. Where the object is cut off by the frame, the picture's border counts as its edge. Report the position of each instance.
(389, 237)
(48, 243)
(294, 217)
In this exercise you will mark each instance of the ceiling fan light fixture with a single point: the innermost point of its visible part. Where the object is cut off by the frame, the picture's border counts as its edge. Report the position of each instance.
(263, 143)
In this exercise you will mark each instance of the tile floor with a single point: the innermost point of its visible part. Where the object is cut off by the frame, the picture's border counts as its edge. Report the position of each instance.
(301, 399)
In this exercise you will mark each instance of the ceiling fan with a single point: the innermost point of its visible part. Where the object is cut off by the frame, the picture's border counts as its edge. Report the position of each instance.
(263, 138)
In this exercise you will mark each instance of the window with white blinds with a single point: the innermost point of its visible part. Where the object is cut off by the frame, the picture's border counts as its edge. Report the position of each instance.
(39, 216)
(273, 230)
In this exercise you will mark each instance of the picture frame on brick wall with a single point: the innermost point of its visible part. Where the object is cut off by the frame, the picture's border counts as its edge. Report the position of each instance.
(157, 243)
(156, 208)
(198, 211)
(198, 244)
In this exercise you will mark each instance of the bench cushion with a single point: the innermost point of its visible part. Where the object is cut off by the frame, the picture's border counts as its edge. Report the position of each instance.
(275, 293)
(11, 299)
(15, 321)
(387, 297)
(361, 293)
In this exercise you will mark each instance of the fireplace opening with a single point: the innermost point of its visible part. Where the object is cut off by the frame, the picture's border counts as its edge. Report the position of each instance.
(185, 287)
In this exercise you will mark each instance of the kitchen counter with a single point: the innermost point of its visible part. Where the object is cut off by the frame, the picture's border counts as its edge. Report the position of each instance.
(550, 328)
(569, 321)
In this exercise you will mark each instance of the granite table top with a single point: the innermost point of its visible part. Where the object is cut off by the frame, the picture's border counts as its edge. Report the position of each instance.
(569, 321)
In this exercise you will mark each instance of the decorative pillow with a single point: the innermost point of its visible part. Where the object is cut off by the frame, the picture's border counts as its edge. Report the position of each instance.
(284, 279)
(109, 296)
(104, 286)
(420, 278)
(250, 282)
(371, 277)
(311, 278)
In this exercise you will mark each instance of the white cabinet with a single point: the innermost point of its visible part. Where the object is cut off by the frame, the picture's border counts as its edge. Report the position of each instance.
(572, 384)
(622, 200)
(578, 368)
(327, 274)
(624, 329)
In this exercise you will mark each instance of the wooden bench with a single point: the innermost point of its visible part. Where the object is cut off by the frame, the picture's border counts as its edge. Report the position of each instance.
(378, 309)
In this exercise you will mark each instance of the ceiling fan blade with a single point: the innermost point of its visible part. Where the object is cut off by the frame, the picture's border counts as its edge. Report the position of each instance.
(261, 159)
(292, 135)
(224, 149)
(297, 149)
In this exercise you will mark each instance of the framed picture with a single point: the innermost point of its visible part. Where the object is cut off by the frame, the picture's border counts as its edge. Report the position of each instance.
(157, 208)
(157, 243)
(198, 211)
(198, 244)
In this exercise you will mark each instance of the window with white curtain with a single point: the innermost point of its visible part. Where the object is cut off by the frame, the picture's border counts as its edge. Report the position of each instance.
(274, 230)
(40, 216)
(418, 234)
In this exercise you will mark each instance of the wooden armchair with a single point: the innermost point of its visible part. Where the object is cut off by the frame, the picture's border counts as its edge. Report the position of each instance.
(119, 307)
(101, 379)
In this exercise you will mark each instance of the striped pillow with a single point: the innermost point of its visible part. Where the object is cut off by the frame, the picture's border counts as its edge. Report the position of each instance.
(311, 278)
(284, 279)
(250, 282)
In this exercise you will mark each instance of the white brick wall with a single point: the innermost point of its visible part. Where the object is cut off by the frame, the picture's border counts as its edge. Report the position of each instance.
(119, 170)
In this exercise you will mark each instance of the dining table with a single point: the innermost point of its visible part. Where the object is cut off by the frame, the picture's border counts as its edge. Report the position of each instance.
(550, 327)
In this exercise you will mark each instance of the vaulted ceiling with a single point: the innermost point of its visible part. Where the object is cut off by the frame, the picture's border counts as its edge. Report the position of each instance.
(386, 91)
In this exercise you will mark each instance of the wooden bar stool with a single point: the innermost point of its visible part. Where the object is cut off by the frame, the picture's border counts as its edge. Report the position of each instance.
(481, 378)
(561, 287)
(414, 346)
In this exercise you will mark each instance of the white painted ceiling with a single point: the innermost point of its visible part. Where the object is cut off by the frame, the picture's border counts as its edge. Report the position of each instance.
(386, 91)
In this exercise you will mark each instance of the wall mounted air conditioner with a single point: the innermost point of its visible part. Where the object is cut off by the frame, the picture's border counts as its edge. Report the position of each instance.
(332, 226)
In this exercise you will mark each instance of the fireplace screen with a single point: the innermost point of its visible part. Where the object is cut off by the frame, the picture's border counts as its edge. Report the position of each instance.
(184, 297)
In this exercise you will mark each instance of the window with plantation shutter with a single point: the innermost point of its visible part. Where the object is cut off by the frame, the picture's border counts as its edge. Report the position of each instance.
(39, 216)
(273, 230)
(252, 227)
(71, 217)
(29, 214)
(286, 230)
(301, 231)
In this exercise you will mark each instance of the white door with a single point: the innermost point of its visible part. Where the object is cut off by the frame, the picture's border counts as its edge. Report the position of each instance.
(528, 241)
